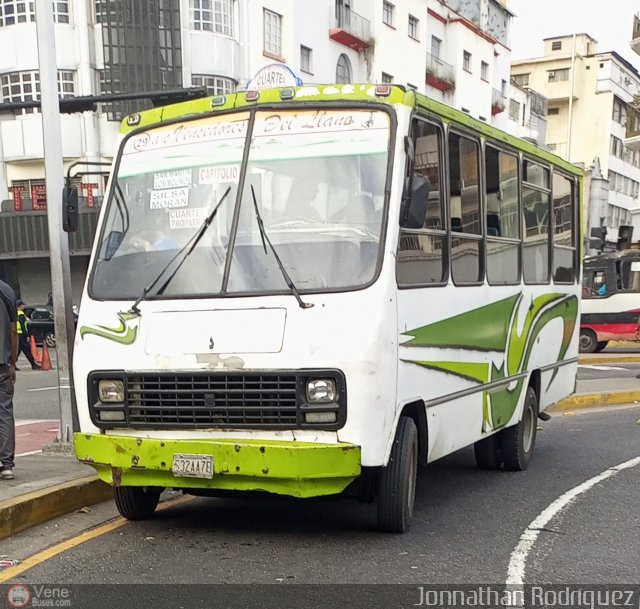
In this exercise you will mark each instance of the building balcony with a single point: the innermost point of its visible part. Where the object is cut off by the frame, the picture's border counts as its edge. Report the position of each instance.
(440, 75)
(349, 28)
(498, 102)
(635, 40)
(632, 136)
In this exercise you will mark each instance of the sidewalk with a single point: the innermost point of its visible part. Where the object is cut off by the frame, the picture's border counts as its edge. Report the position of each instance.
(48, 486)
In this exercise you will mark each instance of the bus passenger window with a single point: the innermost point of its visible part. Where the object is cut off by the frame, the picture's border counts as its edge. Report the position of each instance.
(464, 206)
(421, 258)
(503, 217)
(537, 223)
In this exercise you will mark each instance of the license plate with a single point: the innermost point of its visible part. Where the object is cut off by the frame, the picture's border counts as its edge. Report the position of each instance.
(192, 466)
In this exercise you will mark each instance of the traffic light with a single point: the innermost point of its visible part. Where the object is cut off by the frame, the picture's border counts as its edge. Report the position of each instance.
(598, 238)
(625, 233)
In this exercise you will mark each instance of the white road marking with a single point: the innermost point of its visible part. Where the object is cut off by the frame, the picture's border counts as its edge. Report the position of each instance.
(20, 422)
(32, 452)
(594, 367)
(42, 389)
(518, 560)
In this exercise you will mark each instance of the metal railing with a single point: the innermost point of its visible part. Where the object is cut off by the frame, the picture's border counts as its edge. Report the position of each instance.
(498, 100)
(440, 69)
(345, 19)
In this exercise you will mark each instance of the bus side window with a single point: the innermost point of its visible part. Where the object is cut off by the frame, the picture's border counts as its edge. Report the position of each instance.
(421, 252)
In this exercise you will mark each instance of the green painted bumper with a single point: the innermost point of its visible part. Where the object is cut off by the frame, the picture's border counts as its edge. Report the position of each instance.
(299, 469)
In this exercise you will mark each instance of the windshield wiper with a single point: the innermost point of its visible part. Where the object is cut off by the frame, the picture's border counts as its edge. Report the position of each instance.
(184, 252)
(265, 237)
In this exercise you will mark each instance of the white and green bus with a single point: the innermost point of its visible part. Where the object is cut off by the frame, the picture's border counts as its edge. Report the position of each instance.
(313, 290)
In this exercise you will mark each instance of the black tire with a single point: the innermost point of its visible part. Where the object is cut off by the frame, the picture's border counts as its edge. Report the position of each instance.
(488, 453)
(136, 502)
(601, 346)
(49, 339)
(588, 341)
(517, 442)
(397, 481)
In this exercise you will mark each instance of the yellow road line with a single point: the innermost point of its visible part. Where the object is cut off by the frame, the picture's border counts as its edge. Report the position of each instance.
(69, 544)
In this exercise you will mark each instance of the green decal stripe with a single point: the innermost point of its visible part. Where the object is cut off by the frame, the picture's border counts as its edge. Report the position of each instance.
(472, 371)
(483, 329)
(123, 333)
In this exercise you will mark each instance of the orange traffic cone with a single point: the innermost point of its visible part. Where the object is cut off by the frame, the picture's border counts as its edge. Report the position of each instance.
(46, 360)
(37, 355)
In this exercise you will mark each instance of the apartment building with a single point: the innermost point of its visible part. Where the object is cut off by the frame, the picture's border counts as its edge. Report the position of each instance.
(589, 95)
(456, 51)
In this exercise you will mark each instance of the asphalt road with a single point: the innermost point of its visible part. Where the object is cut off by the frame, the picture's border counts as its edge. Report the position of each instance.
(466, 525)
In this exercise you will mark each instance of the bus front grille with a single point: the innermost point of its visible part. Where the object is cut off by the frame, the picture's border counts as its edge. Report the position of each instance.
(220, 400)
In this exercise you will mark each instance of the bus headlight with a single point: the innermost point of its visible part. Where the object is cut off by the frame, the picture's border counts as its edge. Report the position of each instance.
(321, 391)
(111, 391)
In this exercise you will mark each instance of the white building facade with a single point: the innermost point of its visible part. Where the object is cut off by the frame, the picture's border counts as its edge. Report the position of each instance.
(590, 96)
(456, 51)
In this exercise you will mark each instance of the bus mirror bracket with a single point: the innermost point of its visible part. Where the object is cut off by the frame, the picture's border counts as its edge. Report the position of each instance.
(69, 208)
(414, 207)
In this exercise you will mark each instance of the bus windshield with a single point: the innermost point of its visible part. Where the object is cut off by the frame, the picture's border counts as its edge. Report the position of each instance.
(316, 178)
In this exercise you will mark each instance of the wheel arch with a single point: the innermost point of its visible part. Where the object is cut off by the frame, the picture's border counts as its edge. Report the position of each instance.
(417, 411)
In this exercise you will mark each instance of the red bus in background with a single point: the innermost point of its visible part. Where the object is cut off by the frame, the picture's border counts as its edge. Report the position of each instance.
(610, 300)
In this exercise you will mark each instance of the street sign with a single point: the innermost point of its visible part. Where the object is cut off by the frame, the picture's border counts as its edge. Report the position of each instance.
(273, 76)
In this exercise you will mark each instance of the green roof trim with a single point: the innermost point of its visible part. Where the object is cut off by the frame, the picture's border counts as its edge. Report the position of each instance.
(350, 92)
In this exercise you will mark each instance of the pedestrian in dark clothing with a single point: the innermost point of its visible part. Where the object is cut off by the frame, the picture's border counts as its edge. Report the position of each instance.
(8, 356)
(23, 337)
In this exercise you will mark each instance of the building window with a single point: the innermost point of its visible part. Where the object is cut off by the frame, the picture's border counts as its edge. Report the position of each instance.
(616, 147)
(61, 11)
(466, 60)
(387, 78)
(553, 111)
(484, 71)
(556, 45)
(66, 83)
(305, 59)
(436, 44)
(272, 32)
(413, 27)
(16, 11)
(215, 85)
(521, 80)
(619, 111)
(514, 110)
(212, 16)
(387, 13)
(559, 75)
(25, 86)
(343, 70)
(503, 87)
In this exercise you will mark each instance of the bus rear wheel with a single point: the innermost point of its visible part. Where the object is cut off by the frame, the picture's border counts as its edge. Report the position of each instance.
(488, 453)
(397, 481)
(588, 341)
(136, 502)
(517, 442)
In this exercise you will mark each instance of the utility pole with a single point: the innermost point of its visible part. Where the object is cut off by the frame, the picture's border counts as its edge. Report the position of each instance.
(58, 240)
(571, 88)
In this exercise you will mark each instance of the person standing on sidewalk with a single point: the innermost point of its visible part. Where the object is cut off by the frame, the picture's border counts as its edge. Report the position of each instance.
(8, 356)
(23, 337)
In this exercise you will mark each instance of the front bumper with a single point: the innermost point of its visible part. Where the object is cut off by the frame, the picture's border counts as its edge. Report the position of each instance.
(298, 469)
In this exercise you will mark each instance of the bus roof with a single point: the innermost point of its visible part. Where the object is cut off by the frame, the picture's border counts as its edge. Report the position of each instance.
(383, 94)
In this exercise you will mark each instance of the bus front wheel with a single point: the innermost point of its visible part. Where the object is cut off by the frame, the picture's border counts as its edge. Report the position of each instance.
(136, 502)
(517, 442)
(588, 341)
(397, 481)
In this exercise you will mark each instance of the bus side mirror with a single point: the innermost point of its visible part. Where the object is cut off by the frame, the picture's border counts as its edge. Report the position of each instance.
(70, 209)
(114, 239)
(414, 207)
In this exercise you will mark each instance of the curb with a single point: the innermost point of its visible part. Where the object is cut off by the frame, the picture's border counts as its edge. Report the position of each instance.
(591, 400)
(612, 359)
(28, 510)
